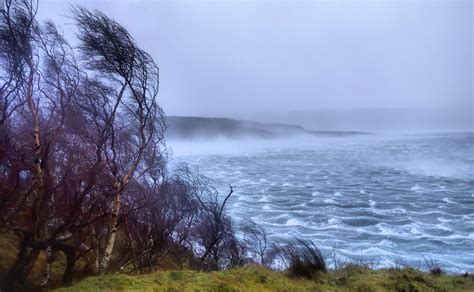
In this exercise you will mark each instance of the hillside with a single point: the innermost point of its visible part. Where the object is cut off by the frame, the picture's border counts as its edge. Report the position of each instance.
(257, 278)
(250, 278)
(205, 128)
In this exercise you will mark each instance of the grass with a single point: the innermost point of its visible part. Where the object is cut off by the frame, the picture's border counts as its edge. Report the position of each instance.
(305, 260)
(258, 278)
(253, 278)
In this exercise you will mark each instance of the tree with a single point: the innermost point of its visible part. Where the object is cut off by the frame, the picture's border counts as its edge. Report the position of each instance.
(83, 159)
(134, 124)
(57, 177)
(256, 238)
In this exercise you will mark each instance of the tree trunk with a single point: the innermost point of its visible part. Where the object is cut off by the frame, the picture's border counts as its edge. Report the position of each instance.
(113, 230)
(70, 265)
(119, 185)
(47, 267)
(25, 260)
(36, 136)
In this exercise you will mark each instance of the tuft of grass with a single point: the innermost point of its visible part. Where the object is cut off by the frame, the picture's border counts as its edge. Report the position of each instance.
(434, 267)
(305, 260)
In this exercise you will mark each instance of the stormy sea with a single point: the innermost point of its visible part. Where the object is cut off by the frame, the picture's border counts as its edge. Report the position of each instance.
(387, 199)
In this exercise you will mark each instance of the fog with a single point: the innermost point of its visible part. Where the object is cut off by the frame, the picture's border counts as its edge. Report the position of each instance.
(248, 146)
(269, 60)
(414, 160)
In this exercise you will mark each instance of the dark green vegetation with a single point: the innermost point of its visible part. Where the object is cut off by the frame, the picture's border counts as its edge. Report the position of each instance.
(205, 128)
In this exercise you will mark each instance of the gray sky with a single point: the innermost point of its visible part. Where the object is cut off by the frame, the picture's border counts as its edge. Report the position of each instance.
(229, 58)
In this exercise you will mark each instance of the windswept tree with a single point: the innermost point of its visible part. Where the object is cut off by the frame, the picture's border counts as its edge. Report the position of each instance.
(41, 161)
(256, 238)
(214, 233)
(58, 178)
(134, 123)
(20, 64)
(83, 161)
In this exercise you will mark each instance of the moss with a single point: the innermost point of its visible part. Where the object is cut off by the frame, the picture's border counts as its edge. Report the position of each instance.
(257, 278)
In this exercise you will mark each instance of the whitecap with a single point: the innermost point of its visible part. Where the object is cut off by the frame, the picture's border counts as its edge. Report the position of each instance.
(329, 201)
(294, 222)
(414, 230)
(302, 205)
(387, 242)
(334, 221)
(443, 220)
(447, 200)
(386, 230)
(443, 227)
(416, 188)
(264, 199)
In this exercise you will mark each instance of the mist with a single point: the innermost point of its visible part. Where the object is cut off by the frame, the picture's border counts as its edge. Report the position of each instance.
(345, 63)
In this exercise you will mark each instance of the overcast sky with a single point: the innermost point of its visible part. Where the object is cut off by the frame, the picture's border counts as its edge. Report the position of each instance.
(228, 58)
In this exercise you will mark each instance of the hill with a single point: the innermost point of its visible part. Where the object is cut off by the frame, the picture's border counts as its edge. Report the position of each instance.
(205, 128)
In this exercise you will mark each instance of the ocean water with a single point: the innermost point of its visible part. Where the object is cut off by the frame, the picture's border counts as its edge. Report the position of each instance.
(383, 198)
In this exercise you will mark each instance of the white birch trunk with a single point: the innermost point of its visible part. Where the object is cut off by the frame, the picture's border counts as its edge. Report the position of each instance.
(113, 230)
(47, 267)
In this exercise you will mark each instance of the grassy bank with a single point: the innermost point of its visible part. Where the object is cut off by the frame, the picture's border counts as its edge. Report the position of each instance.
(252, 278)
(257, 278)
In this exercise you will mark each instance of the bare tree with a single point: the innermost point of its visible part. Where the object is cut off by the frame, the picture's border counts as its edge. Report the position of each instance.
(214, 230)
(83, 160)
(135, 122)
(47, 80)
(17, 29)
(256, 238)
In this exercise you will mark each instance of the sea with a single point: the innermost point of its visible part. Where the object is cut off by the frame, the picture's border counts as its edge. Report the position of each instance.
(383, 199)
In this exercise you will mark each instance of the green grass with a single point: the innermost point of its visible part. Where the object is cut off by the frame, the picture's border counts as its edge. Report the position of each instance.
(257, 278)
(252, 278)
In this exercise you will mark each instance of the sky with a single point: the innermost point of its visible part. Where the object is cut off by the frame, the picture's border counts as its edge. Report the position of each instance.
(238, 58)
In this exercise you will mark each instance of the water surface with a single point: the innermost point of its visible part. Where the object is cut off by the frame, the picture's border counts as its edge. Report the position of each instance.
(386, 198)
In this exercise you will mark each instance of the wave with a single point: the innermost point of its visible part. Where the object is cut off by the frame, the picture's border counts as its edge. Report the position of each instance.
(343, 194)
